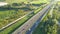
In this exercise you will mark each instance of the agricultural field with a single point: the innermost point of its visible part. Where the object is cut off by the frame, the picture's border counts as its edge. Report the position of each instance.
(50, 25)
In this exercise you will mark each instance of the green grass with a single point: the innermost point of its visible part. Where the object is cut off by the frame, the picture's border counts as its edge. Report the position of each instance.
(19, 1)
(37, 10)
(13, 27)
(10, 15)
(37, 29)
(40, 1)
(6, 13)
(15, 1)
(49, 20)
(10, 29)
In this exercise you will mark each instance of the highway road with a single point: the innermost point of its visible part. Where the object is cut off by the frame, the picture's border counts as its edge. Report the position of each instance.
(26, 26)
(13, 22)
(39, 20)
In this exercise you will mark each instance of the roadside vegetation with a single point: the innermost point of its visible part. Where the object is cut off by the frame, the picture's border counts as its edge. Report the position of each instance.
(57, 15)
(19, 23)
(14, 11)
(48, 25)
(25, 1)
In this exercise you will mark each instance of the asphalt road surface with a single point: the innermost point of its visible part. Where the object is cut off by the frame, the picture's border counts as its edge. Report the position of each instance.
(39, 20)
(13, 22)
(26, 26)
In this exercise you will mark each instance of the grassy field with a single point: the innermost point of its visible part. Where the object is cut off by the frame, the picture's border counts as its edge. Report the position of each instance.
(13, 27)
(26, 1)
(10, 29)
(9, 14)
(40, 1)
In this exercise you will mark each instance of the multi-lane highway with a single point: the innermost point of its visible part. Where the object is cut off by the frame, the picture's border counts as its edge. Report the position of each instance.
(26, 26)
(13, 22)
(40, 19)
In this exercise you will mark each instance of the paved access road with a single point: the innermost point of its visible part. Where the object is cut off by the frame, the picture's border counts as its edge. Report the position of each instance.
(26, 26)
